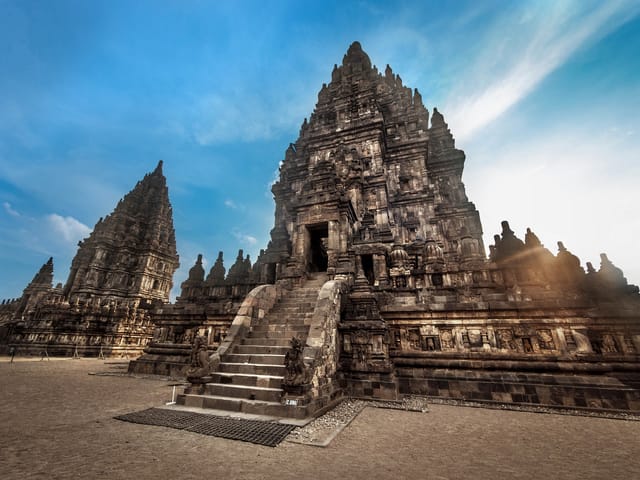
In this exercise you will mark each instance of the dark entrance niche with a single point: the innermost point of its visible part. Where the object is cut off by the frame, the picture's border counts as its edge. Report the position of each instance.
(271, 273)
(318, 237)
(367, 267)
(436, 279)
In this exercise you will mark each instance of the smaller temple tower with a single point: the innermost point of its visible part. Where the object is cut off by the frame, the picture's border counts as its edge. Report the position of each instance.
(131, 254)
(38, 288)
(121, 270)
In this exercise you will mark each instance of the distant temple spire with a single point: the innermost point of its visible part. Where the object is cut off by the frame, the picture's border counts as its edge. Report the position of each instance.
(131, 253)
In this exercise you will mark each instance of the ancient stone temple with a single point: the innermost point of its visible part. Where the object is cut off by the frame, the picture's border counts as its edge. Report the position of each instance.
(120, 271)
(376, 284)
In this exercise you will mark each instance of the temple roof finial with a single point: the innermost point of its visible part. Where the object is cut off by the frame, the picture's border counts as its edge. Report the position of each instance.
(355, 55)
(355, 46)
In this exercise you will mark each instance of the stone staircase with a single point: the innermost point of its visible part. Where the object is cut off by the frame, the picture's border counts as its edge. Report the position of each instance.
(249, 376)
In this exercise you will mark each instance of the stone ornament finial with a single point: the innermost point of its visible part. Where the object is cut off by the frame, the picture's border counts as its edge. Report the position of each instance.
(531, 240)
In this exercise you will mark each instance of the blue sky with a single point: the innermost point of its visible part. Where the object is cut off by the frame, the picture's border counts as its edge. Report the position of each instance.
(542, 96)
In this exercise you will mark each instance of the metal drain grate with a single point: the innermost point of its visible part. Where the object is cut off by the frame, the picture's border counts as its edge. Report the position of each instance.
(162, 418)
(254, 431)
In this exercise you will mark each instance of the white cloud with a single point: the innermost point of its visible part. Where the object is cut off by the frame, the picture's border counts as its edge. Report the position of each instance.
(524, 47)
(69, 228)
(245, 239)
(9, 209)
(233, 205)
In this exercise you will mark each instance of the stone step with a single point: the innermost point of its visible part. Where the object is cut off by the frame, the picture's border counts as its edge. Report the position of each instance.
(279, 318)
(276, 318)
(306, 289)
(282, 317)
(257, 330)
(261, 349)
(294, 307)
(269, 381)
(285, 331)
(289, 307)
(276, 342)
(289, 313)
(303, 292)
(265, 394)
(285, 313)
(261, 359)
(306, 301)
(283, 334)
(231, 404)
(297, 299)
(252, 369)
(281, 326)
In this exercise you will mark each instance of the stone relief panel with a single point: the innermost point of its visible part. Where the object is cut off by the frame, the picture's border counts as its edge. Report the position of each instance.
(545, 340)
(420, 339)
(604, 343)
(414, 339)
(629, 345)
(447, 339)
(507, 340)
(472, 338)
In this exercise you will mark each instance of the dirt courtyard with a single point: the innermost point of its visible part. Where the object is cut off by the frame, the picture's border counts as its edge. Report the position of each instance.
(56, 421)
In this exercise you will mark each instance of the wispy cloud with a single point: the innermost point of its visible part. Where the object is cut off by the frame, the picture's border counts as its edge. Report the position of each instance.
(10, 210)
(525, 46)
(245, 239)
(400, 42)
(232, 205)
(224, 117)
(46, 181)
(69, 228)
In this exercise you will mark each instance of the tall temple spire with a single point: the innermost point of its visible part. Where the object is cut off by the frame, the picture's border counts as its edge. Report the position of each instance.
(368, 147)
(131, 253)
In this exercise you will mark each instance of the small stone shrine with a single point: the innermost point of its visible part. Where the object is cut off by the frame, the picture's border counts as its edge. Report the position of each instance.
(375, 282)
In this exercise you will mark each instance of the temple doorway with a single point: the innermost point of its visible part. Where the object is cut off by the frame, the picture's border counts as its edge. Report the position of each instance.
(318, 240)
(271, 273)
(367, 267)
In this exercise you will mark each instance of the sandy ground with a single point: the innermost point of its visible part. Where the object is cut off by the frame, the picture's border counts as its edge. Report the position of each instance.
(56, 421)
